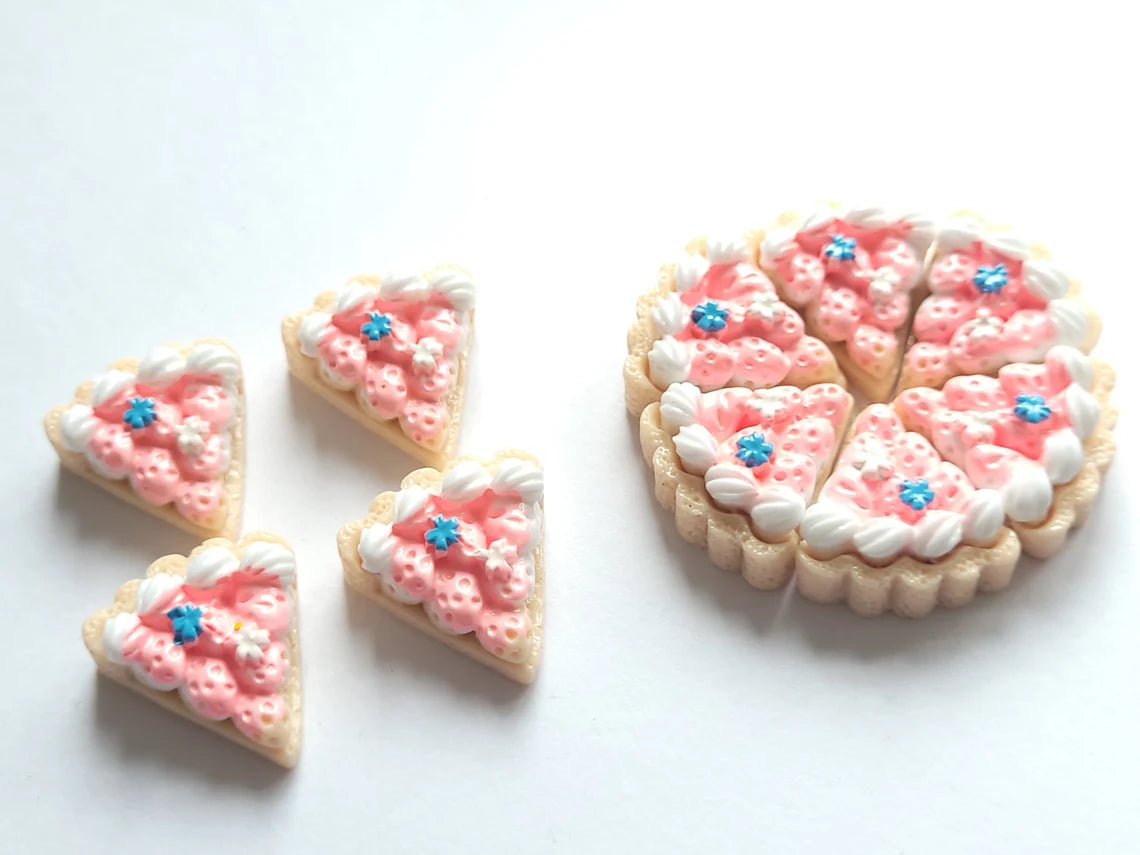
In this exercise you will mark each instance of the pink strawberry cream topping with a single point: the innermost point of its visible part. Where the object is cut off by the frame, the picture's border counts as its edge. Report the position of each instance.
(166, 429)
(726, 326)
(465, 552)
(759, 452)
(1021, 432)
(219, 636)
(397, 343)
(989, 305)
(853, 274)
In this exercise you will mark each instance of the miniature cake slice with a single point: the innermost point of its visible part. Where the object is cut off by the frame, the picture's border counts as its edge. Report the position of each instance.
(1041, 434)
(164, 434)
(739, 466)
(898, 527)
(994, 299)
(854, 274)
(458, 554)
(213, 638)
(392, 353)
(715, 320)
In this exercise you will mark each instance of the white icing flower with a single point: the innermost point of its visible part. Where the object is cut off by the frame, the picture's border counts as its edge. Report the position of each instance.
(251, 642)
(768, 403)
(874, 467)
(766, 306)
(881, 283)
(496, 556)
(192, 435)
(426, 354)
(986, 325)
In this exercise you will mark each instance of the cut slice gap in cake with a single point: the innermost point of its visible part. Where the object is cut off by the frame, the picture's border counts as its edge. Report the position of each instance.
(738, 467)
(993, 299)
(898, 528)
(1040, 434)
(856, 274)
(714, 319)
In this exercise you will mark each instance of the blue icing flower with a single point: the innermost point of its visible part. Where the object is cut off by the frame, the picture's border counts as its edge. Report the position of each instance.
(186, 622)
(377, 326)
(916, 493)
(709, 316)
(841, 248)
(991, 279)
(753, 450)
(1031, 408)
(444, 531)
(140, 412)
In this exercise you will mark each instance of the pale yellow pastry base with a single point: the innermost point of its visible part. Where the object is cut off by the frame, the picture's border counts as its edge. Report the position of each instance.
(727, 535)
(126, 600)
(1072, 501)
(907, 586)
(640, 391)
(308, 371)
(226, 520)
(368, 585)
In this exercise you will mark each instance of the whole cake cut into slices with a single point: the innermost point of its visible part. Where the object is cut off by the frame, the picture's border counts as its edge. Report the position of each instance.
(458, 554)
(391, 352)
(715, 320)
(1040, 434)
(994, 299)
(897, 527)
(213, 638)
(739, 466)
(164, 434)
(855, 273)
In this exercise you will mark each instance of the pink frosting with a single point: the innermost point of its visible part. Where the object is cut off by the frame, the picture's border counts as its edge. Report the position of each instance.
(150, 458)
(386, 372)
(972, 419)
(755, 348)
(837, 292)
(479, 584)
(800, 425)
(960, 330)
(211, 677)
(881, 455)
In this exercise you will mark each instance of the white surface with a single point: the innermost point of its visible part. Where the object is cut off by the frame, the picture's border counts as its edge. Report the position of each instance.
(167, 177)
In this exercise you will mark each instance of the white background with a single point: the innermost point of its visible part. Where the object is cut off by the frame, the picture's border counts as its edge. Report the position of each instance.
(166, 175)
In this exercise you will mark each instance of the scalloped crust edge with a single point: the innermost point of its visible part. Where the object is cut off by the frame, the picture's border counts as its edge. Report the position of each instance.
(727, 535)
(908, 587)
(366, 584)
(1072, 502)
(126, 599)
(308, 373)
(640, 391)
(228, 522)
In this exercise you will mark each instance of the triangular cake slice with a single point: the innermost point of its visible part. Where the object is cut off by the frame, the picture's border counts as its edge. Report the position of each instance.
(739, 466)
(715, 320)
(391, 352)
(458, 554)
(855, 273)
(897, 527)
(994, 299)
(165, 434)
(1040, 434)
(213, 638)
